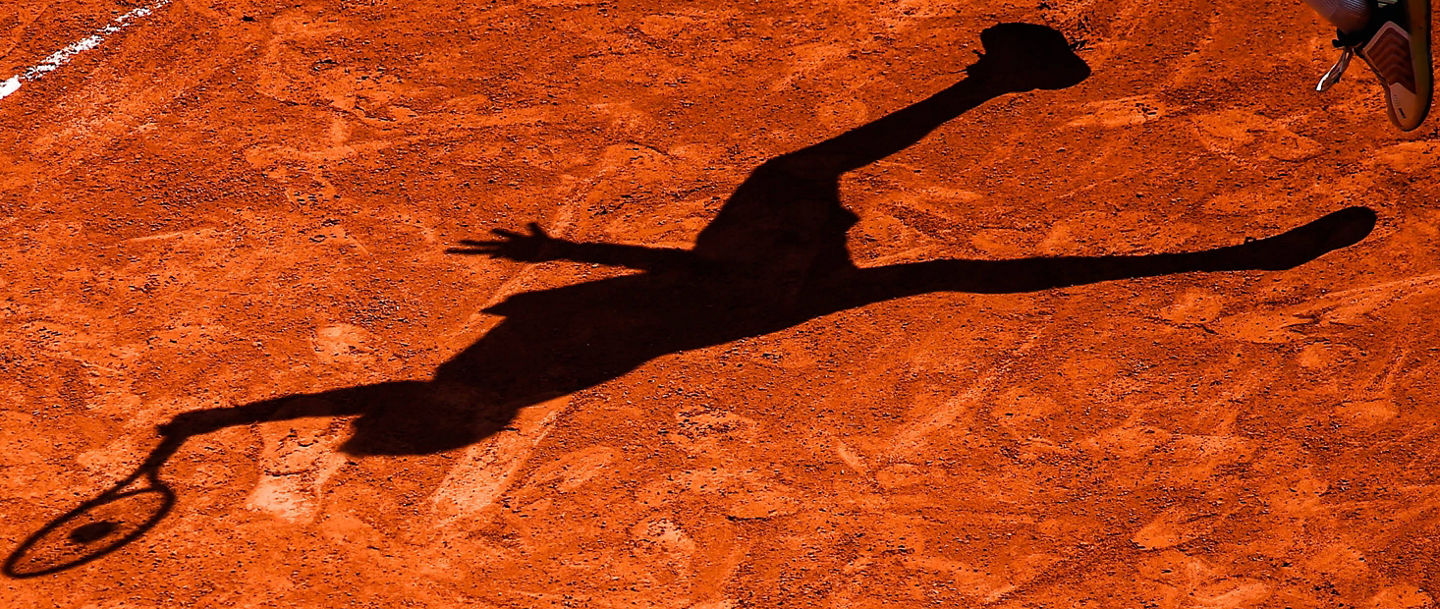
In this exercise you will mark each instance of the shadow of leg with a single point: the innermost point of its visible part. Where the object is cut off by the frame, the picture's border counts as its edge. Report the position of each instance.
(1286, 250)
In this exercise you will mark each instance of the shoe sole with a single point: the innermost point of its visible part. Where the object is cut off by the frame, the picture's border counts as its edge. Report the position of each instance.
(1398, 96)
(1420, 49)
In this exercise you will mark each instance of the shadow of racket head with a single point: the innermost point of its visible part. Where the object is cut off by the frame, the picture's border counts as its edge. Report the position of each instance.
(95, 528)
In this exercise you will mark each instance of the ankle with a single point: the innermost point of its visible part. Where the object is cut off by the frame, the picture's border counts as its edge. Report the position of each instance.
(1349, 16)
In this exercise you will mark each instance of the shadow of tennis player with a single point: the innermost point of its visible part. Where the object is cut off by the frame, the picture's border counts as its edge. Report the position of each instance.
(774, 256)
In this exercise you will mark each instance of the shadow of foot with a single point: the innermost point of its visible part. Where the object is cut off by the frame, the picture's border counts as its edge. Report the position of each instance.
(1295, 247)
(1025, 57)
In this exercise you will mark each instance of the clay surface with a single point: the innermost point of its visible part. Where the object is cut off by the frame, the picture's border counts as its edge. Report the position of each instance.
(789, 403)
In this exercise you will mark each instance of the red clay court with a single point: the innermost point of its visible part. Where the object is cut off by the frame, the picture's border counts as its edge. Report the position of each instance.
(822, 308)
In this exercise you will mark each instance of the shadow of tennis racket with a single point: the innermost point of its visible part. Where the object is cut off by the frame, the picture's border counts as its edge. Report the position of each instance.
(101, 525)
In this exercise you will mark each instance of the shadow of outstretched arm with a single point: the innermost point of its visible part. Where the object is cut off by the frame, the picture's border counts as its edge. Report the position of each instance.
(538, 246)
(137, 502)
(1284, 251)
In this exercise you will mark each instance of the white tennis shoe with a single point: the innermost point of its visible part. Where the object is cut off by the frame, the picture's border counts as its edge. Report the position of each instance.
(1396, 46)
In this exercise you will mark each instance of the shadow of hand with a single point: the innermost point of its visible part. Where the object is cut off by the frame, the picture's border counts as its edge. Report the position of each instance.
(1023, 57)
(537, 246)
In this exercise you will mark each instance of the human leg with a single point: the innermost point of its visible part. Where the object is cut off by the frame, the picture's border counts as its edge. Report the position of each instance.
(1346, 15)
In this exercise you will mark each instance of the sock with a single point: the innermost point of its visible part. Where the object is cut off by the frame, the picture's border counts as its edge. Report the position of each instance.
(1348, 15)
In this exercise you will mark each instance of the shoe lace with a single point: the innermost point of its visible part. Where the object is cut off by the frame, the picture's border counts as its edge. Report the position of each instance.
(1333, 75)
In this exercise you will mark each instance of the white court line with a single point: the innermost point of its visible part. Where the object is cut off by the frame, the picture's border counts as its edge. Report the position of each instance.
(62, 56)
